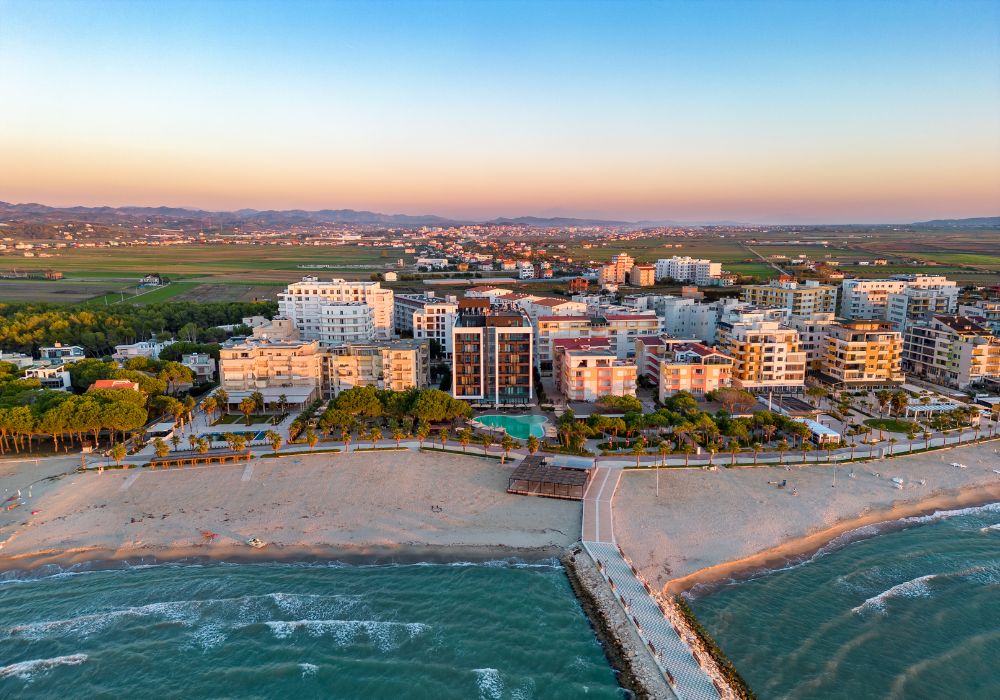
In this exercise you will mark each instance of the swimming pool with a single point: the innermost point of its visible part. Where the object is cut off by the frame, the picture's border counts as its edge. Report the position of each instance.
(519, 427)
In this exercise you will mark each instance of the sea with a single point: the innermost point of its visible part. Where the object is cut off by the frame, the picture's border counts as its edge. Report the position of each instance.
(493, 630)
(909, 609)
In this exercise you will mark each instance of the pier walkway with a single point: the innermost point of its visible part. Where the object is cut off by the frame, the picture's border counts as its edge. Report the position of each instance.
(673, 656)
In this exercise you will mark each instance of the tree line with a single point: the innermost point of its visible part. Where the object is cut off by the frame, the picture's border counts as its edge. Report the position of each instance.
(25, 327)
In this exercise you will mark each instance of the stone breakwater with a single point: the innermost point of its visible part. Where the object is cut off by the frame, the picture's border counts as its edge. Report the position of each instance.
(637, 672)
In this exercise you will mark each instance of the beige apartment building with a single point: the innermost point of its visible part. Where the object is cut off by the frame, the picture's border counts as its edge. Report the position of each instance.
(303, 371)
(786, 293)
(642, 275)
(766, 356)
(586, 370)
(694, 368)
(813, 330)
(275, 368)
(617, 270)
(864, 354)
(397, 365)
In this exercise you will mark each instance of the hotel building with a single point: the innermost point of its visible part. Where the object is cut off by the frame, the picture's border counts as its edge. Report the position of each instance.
(492, 358)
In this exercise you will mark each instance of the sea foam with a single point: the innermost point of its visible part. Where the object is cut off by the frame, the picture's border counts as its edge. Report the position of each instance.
(914, 588)
(25, 670)
(489, 682)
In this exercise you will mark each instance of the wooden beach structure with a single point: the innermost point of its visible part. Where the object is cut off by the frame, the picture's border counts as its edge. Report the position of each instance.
(198, 458)
(535, 476)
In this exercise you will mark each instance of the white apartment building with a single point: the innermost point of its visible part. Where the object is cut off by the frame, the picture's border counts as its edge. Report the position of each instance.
(864, 299)
(813, 331)
(525, 270)
(54, 377)
(687, 269)
(427, 317)
(347, 322)
(144, 348)
(920, 304)
(987, 313)
(623, 329)
(302, 302)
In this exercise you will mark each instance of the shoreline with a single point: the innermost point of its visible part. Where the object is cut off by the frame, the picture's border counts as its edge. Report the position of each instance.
(100, 558)
(802, 549)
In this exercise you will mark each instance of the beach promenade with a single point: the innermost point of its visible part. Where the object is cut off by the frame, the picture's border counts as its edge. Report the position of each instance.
(669, 650)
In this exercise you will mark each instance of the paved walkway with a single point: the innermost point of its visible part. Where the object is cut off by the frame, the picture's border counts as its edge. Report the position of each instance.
(671, 653)
(598, 516)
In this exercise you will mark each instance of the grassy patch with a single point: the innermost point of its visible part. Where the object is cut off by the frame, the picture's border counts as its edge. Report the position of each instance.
(892, 425)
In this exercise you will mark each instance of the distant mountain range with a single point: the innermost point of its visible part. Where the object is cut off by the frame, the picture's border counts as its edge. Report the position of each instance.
(291, 217)
(977, 222)
(181, 216)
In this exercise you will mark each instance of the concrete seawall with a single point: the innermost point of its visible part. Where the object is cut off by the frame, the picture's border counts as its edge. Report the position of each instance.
(636, 669)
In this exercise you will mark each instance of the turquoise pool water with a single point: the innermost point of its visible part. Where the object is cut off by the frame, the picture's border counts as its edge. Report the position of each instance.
(519, 427)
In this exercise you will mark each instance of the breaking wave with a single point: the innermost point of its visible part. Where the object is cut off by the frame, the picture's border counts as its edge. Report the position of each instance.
(25, 670)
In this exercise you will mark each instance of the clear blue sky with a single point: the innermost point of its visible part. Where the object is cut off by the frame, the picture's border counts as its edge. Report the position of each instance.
(762, 111)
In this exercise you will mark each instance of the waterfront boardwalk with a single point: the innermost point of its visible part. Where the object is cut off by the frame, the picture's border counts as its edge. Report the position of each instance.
(672, 654)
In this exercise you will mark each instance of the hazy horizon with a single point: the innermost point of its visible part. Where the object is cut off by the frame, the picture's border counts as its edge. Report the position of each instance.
(758, 112)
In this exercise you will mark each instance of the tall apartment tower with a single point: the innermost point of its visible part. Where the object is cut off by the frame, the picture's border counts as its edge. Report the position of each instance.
(492, 358)
(303, 303)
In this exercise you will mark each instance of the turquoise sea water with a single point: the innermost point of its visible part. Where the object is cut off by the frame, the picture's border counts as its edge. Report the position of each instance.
(519, 427)
(300, 630)
(910, 610)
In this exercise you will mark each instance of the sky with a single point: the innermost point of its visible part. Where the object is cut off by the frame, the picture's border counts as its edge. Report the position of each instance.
(768, 112)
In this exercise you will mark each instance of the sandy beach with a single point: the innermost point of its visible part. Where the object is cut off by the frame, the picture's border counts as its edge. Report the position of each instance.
(711, 526)
(375, 505)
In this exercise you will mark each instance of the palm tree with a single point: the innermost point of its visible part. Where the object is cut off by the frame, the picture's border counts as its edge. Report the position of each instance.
(927, 439)
(311, 438)
(274, 438)
(375, 434)
(230, 439)
(193, 440)
(247, 407)
(756, 451)
(734, 449)
(443, 436)
(892, 442)
(161, 448)
(398, 435)
(782, 448)
(239, 443)
(222, 398)
(282, 403)
(175, 440)
(532, 444)
(345, 435)
(209, 405)
(258, 401)
(487, 443)
(464, 438)
(806, 447)
(203, 445)
(422, 434)
(638, 450)
(687, 449)
(118, 453)
(507, 443)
